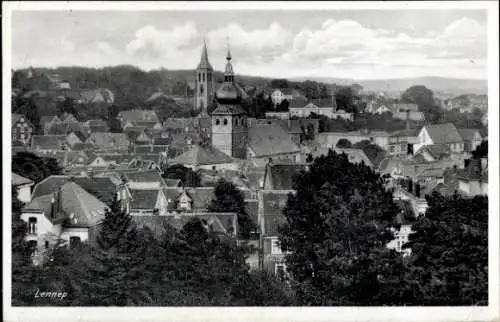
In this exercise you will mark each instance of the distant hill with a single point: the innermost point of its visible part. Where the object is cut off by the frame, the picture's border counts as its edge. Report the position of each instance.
(438, 84)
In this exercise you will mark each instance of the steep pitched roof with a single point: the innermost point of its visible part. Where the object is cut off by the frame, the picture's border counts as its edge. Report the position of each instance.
(228, 109)
(281, 175)
(199, 155)
(84, 209)
(201, 196)
(73, 139)
(145, 176)
(44, 204)
(437, 151)
(469, 134)
(204, 63)
(443, 133)
(144, 198)
(268, 140)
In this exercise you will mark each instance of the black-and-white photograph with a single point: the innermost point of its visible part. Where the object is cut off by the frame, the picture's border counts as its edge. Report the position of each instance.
(250, 157)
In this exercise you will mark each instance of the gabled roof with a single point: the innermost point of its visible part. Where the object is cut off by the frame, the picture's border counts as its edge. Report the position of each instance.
(228, 109)
(173, 183)
(281, 176)
(201, 196)
(73, 139)
(101, 187)
(437, 151)
(144, 198)
(19, 118)
(199, 155)
(443, 133)
(469, 134)
(83, 209)
(269, 140)
(145, 176)
(204, 63)
(44, 204)
(18, 180)
(48, 119)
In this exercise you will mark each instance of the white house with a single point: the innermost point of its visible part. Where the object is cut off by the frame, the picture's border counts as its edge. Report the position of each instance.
(70, 214)
(23, 186)
(441, 134)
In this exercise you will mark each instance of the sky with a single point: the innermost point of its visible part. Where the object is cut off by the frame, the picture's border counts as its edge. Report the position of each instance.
(354, 44)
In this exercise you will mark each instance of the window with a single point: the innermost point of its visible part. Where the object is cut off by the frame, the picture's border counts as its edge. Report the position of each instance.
(392, 148)
(203, 76)
(32, 226)
(199, 77)
(275, 247)
(236, 122)
(213, 168)
(225, 121)
(74, 241)
(46, 244)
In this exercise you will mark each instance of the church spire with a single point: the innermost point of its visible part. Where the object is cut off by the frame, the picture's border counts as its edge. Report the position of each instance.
(204, 63)
(229, 73)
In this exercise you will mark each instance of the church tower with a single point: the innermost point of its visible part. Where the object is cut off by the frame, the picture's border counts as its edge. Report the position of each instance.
(204, 83)
(229, 119)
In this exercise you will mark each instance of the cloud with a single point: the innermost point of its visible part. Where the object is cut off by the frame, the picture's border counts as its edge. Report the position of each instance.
(336, 48)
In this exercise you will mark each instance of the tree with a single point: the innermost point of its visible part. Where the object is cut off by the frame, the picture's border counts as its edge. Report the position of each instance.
(481, 150)
(424, 98)
(67, 106)
(279, 83)
(188, 177)
(337, 226)
(34, 167)
(449, 261)
(344, 98)
(229, 199)
(283, 106)
(344, 144)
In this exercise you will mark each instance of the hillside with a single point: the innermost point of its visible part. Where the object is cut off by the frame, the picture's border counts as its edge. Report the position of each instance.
(441, 84)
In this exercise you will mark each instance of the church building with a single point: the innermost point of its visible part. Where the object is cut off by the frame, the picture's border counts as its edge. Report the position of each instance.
(229, 119)
(204, 83)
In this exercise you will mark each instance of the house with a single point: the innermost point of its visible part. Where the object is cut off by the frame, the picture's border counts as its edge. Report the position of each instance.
(410, 115)
(70, 214)
(472, 139)
(330, 139)
(403, 107)
(401, 143)
(307, 110)
(343, 115)
(63, 128)
(22, 130)
(109, 160)
(268, 141)
(205, 157)
(133, 116)
(442, 134)
(48, 143)
(108, 141)
(72, 139)
(189, 200)
(279, 95)
(23, 187)
(406, 218)
(473, 180)
(147, 202)
(382, 109)
(47, 121)
(277, 185)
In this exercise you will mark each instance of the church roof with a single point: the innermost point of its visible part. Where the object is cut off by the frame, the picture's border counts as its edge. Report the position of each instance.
(199, 155)
(229, 109)
(204, 63)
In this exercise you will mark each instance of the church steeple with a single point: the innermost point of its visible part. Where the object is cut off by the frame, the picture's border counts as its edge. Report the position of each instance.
(204, 82)
(204, 63)
(228, 73)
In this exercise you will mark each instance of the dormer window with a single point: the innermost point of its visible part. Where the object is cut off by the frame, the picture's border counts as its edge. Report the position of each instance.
(225, 121)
